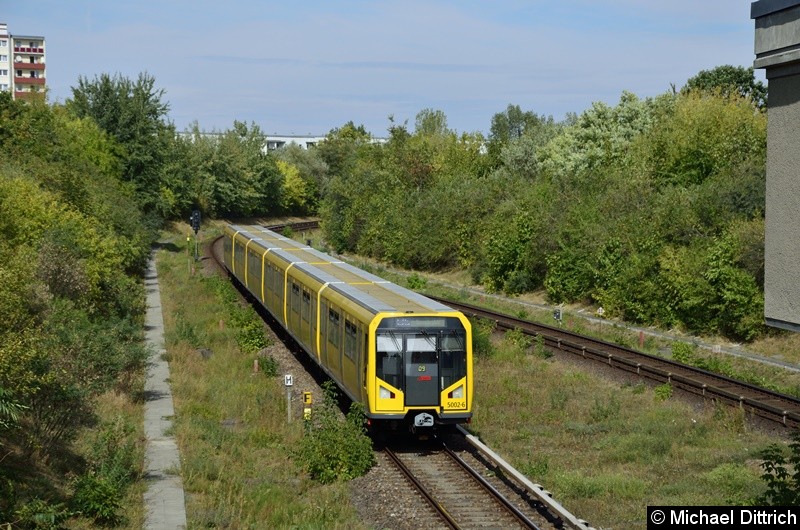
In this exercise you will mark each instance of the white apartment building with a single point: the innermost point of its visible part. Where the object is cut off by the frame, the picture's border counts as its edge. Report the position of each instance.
(22, 64)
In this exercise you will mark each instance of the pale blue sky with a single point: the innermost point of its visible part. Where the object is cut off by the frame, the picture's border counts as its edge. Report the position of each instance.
(308, 67)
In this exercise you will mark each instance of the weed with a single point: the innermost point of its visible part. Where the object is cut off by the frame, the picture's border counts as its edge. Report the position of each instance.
(537, 466)
(539, 349)
(601, 411)
(99, 498)
(683, 352)
(269, 366)
(517, 339)
(187, 332)
(558, 399)
(417, 282)
(663, 392)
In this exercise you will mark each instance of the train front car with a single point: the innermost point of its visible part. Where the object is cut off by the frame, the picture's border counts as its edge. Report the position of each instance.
(423, 370)
(406, 357)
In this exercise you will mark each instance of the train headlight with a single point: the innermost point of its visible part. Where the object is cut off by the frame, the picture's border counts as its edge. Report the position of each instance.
(458, 393)
(384, 393)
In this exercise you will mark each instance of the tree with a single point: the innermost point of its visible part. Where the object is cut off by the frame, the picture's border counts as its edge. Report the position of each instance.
(134, 114)
(511, 125)
(244, 180)
(729, 81)
(431, 122)
(341, 145)
(310, 167)
(294, 195)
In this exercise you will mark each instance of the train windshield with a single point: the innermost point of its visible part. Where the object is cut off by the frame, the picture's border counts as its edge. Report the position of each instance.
(426, 353)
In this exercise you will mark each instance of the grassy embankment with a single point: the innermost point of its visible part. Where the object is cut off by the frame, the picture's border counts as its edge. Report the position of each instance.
(237, 451)
(606, 450)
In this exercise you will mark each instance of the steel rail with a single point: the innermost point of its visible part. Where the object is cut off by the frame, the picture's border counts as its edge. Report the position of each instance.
(441, 510)
(521, 517)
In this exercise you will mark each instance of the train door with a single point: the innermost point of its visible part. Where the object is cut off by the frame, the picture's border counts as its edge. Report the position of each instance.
(305, 319)
(294, 310)
(422, 370)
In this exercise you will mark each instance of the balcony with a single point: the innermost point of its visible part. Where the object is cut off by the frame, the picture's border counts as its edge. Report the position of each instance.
(20, 49)
(28, 80)
(19, 94)
(28, 66)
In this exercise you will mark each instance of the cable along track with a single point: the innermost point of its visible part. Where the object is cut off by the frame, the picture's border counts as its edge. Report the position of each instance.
(460, 495)
(765, 403)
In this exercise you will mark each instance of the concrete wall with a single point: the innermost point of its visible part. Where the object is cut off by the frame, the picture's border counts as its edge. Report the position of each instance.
(777, 48)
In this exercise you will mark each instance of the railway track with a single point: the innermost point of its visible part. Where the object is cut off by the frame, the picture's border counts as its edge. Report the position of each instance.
(773, 406)
(458, 493)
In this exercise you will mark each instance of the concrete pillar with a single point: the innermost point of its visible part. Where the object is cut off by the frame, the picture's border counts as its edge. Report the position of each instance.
(777, 49)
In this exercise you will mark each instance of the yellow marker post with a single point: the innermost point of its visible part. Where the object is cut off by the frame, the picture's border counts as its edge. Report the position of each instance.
(307, 400)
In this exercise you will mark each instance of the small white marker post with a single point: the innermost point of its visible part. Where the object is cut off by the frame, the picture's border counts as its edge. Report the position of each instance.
(287, 382)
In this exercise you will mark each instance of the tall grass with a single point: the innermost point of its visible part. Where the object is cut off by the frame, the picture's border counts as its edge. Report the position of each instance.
(607, 450)
(237, 451)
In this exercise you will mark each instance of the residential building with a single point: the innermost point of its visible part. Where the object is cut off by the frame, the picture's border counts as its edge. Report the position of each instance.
(22, 64)
(5, 58)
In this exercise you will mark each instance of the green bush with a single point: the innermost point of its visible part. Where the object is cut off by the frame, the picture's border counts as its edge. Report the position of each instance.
(42, 515)
(417, 282)
(98, 498)
(663, 392)
(269, 366)
(782, 474)
(332, 449)
(539, 348)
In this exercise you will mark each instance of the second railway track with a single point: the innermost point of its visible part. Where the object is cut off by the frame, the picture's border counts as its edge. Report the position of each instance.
(774, 406)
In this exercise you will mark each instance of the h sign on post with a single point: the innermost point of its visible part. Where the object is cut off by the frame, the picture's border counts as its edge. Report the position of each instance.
(287, 382)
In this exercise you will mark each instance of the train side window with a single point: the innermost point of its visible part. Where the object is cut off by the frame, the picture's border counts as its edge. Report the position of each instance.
(295, 298)
(350, 343)
(333, 327)
(268, 281)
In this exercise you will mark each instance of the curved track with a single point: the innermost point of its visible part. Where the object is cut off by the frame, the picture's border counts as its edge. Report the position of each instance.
(762, 402)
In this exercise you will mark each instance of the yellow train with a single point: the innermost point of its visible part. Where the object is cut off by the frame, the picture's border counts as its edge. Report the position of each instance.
(406, 357)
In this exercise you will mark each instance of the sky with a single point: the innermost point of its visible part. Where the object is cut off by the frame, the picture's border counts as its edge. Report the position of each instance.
(305, 68)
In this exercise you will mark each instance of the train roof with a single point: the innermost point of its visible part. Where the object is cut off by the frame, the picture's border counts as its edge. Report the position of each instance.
(368, 290)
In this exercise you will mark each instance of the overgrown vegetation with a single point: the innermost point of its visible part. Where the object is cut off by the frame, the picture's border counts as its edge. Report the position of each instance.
(333, 449)
(652, 209)
(608, 449)
(72, 248)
